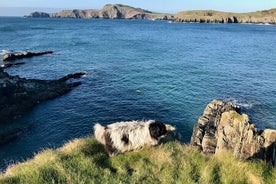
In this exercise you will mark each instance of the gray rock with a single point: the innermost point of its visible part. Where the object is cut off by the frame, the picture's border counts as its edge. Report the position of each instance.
(203, 134)
(222, 128)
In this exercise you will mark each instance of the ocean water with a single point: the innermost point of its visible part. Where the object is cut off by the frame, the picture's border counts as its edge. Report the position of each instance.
(137, 70)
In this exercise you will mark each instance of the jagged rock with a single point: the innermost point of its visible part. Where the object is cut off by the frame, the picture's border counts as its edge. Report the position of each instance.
(235, 19)
(204, 131)
(18, 95)
(237, 134)
(222, 128)
(12, 56)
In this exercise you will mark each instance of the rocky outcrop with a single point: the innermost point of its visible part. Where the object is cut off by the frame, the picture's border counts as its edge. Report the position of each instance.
(19, 95)
(204, 131)
(116, 11)
(210, 16)
(39, 15)
(12, 56)
(222, 128)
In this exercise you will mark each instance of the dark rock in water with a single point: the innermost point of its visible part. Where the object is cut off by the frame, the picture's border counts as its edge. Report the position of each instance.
(12, 56)
(72, 76)
(222, 128)
(19, 95)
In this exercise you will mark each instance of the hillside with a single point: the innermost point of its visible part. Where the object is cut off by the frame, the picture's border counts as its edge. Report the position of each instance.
(119, 11)
(109, 11)
(85, 161)
(210, 16)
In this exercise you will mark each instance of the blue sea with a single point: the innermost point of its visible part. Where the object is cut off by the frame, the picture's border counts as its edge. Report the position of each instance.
(137, 70)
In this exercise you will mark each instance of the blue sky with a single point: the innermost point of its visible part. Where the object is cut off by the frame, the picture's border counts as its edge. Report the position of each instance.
(23, 7)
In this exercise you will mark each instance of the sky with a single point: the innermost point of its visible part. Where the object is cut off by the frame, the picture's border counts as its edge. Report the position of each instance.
(24, 7)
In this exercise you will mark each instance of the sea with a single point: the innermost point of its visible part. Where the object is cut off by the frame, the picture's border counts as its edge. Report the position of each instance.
(136, 70)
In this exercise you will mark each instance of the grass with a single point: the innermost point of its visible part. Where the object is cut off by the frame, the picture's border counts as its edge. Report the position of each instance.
(250, 17)
(85, 161)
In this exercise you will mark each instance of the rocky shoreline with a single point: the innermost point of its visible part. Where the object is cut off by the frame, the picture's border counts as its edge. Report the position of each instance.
(119, 11)
(221, 128)
(19, 95)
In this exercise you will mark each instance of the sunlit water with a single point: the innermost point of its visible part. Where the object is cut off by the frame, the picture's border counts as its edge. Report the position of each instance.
(137, 70)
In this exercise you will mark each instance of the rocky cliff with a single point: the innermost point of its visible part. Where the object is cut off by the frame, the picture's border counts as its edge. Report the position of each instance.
(119, 11)
(222, 128)
(210, 16)
(116, 11)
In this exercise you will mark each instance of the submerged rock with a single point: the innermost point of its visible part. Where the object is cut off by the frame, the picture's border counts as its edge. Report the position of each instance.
(19, 95)
(222, 128)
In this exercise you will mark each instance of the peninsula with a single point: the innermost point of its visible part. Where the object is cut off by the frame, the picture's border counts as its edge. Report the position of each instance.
(109, 11)
(119, 11)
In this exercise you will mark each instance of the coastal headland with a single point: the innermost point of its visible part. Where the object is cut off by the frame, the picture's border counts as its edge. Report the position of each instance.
(119, 11)
(221, 130)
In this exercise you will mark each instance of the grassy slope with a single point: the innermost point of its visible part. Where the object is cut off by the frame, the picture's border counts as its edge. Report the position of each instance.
(259, 16)
(85, 161)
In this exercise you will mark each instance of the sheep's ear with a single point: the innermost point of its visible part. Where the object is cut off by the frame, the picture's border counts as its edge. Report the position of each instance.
(170, 127)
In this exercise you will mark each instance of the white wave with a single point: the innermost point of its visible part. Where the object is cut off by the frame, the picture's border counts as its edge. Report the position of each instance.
(3, 52)
(243, 104)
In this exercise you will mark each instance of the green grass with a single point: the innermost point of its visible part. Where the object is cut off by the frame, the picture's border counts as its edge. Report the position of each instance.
(85, 161)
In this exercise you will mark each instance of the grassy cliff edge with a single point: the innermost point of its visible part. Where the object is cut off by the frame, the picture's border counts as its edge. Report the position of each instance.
(85, 161)
(211, 16)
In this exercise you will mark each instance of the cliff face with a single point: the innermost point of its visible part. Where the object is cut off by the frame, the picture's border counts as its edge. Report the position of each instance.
(209, 16)
(119, 11)
(116, 11)
(222, 128)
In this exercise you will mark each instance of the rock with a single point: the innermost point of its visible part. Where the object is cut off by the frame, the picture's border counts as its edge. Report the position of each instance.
(12, 57)
(39, 15)
(235, 133)
(203, 134)
(222, 128)
(210, 16)
(235, 19)
(19, 95)
(72, 76)
(9, 57)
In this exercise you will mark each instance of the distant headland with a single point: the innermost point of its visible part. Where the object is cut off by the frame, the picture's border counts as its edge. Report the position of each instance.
(119, 11)
(109, 11)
